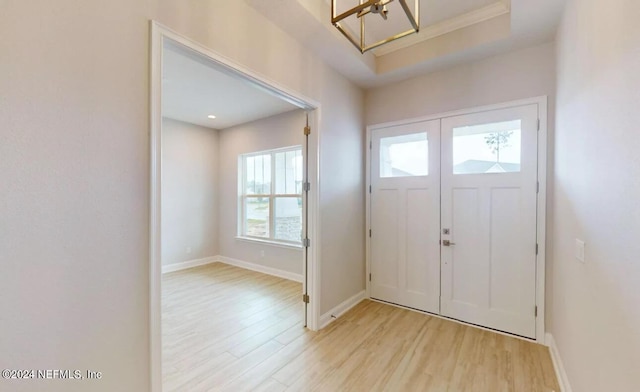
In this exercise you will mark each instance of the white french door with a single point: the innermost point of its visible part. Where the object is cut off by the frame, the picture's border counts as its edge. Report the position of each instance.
(405, 196)
(489, 181)
(453, 211)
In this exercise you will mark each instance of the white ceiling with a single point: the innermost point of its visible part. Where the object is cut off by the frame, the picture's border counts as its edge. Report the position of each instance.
(451, 32)
(435, 11)
(194, 88)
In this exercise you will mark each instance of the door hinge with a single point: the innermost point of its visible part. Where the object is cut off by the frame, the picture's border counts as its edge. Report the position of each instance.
(369, 188)
(369, 232)
(538, 124)
(369, 277)
(536, 249)
(538, 187)
(305, 298)
(306, 242)
(307, 130)
(535, 312)
(370, 145)
(307, 186)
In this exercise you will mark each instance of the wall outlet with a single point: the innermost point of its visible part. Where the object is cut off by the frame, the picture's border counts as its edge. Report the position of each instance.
(188, 250)
(580, 250)
(262, 253)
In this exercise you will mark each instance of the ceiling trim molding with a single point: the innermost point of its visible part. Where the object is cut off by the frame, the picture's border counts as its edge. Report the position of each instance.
(459, 22)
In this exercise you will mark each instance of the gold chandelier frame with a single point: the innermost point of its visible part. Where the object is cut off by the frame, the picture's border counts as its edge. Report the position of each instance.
(361, 10)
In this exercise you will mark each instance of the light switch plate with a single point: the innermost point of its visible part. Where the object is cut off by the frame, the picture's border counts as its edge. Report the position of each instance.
(580, 250)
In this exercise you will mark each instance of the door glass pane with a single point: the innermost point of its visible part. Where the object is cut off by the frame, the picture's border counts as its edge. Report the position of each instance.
(257, 216)
(487, 148)
(404, 156)
(288, 218)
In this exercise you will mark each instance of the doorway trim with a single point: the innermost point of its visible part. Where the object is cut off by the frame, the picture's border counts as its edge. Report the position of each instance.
(159, 34)
(541, 212)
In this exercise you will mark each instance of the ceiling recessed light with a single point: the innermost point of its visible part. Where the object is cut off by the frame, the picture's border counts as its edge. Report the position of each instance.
(211, 116)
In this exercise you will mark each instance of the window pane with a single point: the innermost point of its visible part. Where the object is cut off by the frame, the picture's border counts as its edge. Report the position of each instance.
(266, 174)
(257, 216)
(250, 175)
(288, 218)
(290, 181)
(299, 171)
(280, 173)
(258, 168)
(487, 148)
(405, 155)
(288, 172)
(258, 174)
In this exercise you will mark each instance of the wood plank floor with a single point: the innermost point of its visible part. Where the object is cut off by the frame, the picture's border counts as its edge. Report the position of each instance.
(229, 329)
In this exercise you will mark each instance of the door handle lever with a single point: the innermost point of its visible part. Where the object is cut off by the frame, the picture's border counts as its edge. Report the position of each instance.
(448, 243)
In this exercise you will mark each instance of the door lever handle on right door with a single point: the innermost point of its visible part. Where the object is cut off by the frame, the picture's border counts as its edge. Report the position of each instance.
(448, 243)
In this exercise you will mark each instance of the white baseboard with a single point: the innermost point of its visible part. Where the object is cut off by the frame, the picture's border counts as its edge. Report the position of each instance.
(260, 268)
(563, 380)
(188, 264)
(341, 309)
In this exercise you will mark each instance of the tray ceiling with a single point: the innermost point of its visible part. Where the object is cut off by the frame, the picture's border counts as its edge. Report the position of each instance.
(451, 32)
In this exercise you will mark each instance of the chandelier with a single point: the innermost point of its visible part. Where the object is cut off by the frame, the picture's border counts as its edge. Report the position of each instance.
(372, 7)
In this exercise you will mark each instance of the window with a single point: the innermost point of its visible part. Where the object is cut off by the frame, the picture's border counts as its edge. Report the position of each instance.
(487, 148)
(404, 156)
(271, 195)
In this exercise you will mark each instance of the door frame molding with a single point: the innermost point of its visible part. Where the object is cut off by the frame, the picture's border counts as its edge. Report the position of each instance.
(541, 212)
(158, 35)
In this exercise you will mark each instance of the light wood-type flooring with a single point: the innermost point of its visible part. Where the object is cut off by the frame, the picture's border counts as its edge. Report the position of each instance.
(229, 329)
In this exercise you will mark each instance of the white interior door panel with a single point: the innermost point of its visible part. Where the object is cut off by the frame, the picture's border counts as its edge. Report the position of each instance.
(405, 215)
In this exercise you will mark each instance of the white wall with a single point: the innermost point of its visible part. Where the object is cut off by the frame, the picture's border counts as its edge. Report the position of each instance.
(342, 193)
(74, 169)
(189, 192)
(596, 306)
(515, 75)
(283, 130)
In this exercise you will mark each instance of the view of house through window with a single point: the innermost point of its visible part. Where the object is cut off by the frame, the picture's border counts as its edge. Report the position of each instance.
(487, 148)
(271, 196)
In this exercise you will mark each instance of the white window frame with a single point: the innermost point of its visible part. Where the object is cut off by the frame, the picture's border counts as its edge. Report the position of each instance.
(243, 195)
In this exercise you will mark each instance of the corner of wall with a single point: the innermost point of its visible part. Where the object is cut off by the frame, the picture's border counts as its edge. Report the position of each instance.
(558, 366)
